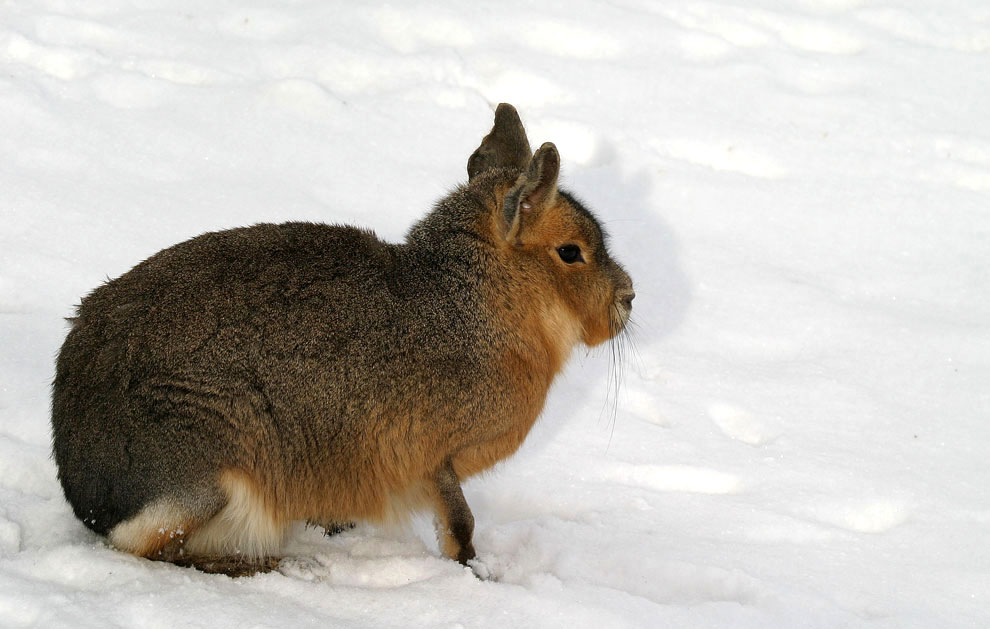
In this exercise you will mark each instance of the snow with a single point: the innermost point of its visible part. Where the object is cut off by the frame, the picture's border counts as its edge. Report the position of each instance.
(800, 191)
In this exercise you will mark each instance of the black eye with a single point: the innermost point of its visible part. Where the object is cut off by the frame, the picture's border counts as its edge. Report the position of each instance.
(570, 254)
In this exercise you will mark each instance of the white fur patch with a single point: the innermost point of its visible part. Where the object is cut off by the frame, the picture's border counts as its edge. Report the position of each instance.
(563, 328)
(156, 524)
(244, 527)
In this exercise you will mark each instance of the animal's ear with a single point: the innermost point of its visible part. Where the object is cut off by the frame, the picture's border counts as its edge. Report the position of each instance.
(534, 191)
(505, 147)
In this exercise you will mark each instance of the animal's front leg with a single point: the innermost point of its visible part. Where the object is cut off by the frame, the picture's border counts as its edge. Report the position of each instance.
(454, 522)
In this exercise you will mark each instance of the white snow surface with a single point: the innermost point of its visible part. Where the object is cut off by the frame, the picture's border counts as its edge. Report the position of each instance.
(800, 190)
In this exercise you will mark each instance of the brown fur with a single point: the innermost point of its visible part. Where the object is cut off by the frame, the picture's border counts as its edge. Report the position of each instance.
(246, 379)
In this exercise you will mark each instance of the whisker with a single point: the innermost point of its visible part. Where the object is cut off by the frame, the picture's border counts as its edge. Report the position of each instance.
(630, 333)
(611, 331)
(620, 342)
(617, 346)
(638, 326)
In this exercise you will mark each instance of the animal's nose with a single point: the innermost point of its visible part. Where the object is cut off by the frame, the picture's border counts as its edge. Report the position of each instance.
(627, 298)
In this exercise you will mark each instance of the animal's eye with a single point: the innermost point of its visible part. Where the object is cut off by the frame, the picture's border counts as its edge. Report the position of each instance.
(570, 254)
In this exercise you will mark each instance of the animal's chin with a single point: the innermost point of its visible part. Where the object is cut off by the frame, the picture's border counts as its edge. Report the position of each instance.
(595, 338)
(613, 327)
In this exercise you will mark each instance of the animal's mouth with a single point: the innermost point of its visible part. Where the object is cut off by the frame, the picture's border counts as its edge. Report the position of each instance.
(619, 315)
(622, 307)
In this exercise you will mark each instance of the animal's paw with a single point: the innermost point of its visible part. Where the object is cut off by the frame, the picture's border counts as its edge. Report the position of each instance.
(331, 528)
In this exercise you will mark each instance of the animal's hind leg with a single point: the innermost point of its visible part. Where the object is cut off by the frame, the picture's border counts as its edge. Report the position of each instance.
(167, 542)
(159, 531)
(228, 529)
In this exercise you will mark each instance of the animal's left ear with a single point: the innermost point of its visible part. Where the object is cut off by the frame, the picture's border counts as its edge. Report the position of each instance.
(506, 146)
(534, 191)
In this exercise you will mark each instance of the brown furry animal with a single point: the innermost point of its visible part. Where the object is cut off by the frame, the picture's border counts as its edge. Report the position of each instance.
(247, 378)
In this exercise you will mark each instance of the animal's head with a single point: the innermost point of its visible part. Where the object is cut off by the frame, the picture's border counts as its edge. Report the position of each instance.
(552, 231)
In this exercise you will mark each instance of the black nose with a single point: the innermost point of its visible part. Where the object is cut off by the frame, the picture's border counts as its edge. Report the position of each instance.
(627, 300)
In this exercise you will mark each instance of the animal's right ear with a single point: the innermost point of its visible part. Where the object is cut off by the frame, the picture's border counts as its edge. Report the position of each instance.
(505, 147)
(534, 191)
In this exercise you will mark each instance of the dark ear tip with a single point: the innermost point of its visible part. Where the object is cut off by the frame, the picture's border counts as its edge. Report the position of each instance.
(547, 151)
(506, 117)
(505, 109)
